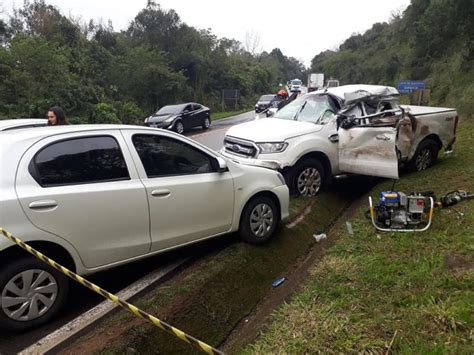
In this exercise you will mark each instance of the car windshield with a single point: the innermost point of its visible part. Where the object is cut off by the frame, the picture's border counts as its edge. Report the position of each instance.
(296, 82)
(170, 109)
(316, 109)
(266, 98)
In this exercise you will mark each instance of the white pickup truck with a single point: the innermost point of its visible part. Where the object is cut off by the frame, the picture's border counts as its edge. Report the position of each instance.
(359, 129)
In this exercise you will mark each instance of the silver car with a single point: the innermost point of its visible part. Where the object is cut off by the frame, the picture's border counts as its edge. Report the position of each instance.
(96, 196)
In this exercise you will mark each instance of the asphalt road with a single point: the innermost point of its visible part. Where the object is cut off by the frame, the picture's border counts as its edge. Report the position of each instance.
(214, 136)
(81, 299)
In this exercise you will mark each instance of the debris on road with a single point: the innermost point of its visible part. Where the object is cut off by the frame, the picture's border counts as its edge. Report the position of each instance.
(278, 281)
(319, 237)
(349, 228)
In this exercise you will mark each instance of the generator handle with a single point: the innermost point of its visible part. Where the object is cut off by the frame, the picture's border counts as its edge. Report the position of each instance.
(430, 218)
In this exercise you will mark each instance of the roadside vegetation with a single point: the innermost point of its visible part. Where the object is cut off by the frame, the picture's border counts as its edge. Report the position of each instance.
(214, 293)
(404, 292)
(101, 75)
(430, 40)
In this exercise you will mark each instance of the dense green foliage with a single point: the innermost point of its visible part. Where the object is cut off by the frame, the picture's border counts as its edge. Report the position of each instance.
(433, 40)
(100, 75)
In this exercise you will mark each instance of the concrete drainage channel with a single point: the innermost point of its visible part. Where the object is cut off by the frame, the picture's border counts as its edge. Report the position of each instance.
(74, 327)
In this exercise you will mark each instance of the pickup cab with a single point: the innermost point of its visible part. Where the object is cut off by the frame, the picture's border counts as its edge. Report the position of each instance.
(360, 129)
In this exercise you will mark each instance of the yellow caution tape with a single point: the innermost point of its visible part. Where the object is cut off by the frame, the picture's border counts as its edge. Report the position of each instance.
(129, 307)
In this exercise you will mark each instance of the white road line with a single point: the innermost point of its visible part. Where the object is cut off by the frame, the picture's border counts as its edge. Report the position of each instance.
(73, 327)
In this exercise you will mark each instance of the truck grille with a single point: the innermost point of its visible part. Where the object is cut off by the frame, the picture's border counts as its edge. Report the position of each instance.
(240, 147)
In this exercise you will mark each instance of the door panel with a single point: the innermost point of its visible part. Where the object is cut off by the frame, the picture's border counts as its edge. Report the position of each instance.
(187, 117)
(189, 207)
(106, 221)
(368, 151)
(188, 198)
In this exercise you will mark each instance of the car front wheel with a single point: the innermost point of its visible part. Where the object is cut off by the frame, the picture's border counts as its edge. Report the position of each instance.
(207, 123)
(259, 220)
(307, 177)
(31, 294)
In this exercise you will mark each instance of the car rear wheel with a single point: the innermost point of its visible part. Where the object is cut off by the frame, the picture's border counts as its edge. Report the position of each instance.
(259, 220)
(307, 177)
(179, 127)
(425, 155)
(207, 123)
(31, 294)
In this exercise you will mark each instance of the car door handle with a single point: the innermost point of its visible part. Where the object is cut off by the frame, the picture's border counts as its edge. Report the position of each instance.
(160, 193)
(382, 137)
(43, 204)
(334, 138)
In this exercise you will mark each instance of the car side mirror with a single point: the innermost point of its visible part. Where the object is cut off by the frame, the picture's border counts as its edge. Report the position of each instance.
(222, 165)
(186, 111)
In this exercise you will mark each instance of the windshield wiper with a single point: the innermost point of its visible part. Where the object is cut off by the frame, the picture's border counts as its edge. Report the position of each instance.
(299, 111)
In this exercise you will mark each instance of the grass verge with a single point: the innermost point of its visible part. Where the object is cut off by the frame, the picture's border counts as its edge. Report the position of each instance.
(378, 292)
(209, 298)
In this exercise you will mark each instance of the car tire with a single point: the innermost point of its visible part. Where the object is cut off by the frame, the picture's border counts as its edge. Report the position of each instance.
(46, 294)
(307, 177)
(425, 155)
(259, 220)
(179, 127)
(207, 123)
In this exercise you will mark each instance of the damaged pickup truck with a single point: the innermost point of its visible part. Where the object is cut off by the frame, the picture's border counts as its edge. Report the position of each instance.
(360, 129)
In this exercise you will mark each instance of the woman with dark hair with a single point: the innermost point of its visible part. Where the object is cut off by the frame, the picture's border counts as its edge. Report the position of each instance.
(56, 117)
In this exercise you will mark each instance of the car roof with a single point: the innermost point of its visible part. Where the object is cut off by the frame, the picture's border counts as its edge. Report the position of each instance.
(342, 92)
(18, 122)
(41, 132)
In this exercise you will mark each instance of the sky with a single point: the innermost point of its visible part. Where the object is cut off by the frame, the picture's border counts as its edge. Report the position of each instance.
(301, 29)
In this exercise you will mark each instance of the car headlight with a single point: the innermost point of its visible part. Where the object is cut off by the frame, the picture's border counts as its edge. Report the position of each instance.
(277, 147)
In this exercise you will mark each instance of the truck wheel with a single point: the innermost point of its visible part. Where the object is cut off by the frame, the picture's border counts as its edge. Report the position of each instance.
(425, 155)
(31, 294)
(308, 177)
(259, 220)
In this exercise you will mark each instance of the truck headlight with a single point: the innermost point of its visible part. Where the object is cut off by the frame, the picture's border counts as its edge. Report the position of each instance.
(277, 147)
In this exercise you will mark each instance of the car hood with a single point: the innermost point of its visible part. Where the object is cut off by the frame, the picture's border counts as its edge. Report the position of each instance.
(263, 102)
(161, 118)
(272, 130)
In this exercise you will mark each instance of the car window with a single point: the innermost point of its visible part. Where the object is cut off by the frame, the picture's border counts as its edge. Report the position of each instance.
(79, 161)
(311, 108)
(197, 106)
(163, 156)
(189, 108)
(355, 111)
(170, 109)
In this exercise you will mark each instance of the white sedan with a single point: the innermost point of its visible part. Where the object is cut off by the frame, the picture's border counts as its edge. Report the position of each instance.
(96, 196)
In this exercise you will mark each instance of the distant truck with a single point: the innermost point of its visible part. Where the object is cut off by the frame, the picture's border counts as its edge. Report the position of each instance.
(332, 83)
(295, 85)
(315, 81)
